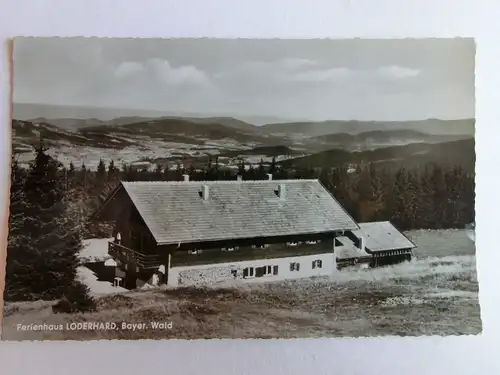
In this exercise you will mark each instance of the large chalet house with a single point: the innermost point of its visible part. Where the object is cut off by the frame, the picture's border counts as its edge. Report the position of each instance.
(196, 232)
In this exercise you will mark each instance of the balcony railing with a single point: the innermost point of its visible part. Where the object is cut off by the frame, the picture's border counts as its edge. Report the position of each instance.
(127, 255)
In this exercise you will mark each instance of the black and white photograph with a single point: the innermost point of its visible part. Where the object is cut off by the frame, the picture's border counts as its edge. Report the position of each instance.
(241, 188)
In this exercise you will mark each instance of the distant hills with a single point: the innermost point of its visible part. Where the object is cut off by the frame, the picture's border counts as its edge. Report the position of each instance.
(430, 126)
(76, 124)
(30, 133)
(31, 111)
(123, 132)
(380, 138)
(75, 117)
(461, 152)
(172, 128)
(195, 139)
(328, 143)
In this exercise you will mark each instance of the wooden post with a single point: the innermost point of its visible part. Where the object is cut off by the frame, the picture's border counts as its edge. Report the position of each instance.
(165, 261)
(131, 276)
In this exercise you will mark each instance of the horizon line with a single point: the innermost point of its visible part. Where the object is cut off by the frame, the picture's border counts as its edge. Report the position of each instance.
(209, 115)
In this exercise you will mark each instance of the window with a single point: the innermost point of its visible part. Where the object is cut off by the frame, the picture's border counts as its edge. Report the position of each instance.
(248, 272)
(292, 244)
(294, 266)
(261, 246)
(266, 271)
(229, 248)
(260, 271)
(313, 242)
(192, 252)
(338, 243)
(317, 264)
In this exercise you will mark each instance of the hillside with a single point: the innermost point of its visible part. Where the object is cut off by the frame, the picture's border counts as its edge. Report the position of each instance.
(76, 123)
(378, 139)
(165, 141)
(459, 152)
(430, 126)
(170, 127)
(68, 123)
(269, 151)
(26, 133)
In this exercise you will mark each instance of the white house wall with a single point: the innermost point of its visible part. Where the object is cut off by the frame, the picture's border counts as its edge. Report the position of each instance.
(212, 273)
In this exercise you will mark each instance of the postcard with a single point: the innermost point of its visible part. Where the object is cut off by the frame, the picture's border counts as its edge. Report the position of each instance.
(241, 188)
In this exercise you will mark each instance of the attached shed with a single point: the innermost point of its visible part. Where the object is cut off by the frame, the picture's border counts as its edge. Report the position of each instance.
(385, 242)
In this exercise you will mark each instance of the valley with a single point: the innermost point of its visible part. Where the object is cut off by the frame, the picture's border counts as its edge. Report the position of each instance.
(145, 142)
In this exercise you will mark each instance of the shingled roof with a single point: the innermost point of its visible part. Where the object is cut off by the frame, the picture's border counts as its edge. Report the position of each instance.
(175, 212)
(383, 236)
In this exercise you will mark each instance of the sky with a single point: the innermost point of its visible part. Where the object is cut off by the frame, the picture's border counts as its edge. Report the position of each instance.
(316, 79)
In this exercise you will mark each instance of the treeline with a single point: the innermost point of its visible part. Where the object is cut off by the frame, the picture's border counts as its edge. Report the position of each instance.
(430, 197)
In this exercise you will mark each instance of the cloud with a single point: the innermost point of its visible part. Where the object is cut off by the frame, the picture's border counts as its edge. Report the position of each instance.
(277, 70)
(326, 75)
(128, 68)
(397, 72)
(162, 70)
(299, 70)
(297, 63)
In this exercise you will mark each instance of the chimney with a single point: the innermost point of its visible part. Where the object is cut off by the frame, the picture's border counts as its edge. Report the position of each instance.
(269, 176)
(282, 191)
(239, 178)
(186, 177)
(205, 192)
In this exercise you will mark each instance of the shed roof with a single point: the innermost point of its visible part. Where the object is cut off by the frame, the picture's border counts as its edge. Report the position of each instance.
(176, 213)
(348, 250)
(383, 236)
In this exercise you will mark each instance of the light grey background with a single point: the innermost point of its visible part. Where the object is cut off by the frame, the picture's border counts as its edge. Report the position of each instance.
(283, 80)
(284, 19)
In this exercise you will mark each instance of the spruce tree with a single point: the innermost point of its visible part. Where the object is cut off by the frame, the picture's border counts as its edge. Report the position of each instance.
(396, 202)
(272, 166)
(158, 174)
(101, 172)
(425, 210)
(112, 170)
(16, 286)
(261, 171)
(241, 168)
(47, 263)
(166, 173)
(71, 170)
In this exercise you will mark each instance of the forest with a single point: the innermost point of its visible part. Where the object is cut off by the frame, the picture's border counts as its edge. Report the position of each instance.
(50, 206)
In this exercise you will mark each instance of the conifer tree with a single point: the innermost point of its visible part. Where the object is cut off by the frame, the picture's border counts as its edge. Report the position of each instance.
(272, 166)
(15, 284)
(166, 173)
(241, 168)
(47, 262)
(71, 170)
(112, 170)
(261, 171)
(101, 172)
(158, 175)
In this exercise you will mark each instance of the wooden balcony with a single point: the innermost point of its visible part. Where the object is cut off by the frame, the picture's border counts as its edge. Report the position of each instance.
(209, 256)
(128, 256)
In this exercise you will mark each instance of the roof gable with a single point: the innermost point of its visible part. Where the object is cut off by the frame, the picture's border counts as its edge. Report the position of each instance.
(175, 212)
